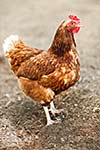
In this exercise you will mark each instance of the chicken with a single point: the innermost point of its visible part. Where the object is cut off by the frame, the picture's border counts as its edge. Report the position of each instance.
(44, 73)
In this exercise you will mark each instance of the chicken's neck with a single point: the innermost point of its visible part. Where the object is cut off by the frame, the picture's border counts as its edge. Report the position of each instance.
(62, 43)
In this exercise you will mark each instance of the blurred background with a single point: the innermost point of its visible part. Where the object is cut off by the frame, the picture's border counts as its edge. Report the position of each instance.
(35, 21)
(21, 120)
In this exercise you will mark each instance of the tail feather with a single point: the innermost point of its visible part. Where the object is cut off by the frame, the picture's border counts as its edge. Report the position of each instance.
(9, 43)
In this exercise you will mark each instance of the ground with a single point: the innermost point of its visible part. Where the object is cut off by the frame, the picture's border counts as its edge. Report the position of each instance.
(22, 121)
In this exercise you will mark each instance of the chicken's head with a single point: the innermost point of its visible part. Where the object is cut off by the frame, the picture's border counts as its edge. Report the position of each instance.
(73, 24)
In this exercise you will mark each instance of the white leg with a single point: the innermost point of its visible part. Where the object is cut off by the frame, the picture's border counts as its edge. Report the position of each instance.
(53, 109)
(49, 120)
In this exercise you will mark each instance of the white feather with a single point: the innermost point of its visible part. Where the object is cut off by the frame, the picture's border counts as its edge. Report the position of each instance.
(9, 43)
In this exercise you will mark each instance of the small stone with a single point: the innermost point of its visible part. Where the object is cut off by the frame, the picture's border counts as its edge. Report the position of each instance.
(62, 140)
(55, 145)
(75, 105)
(83, 118)
(19, 98)
(36, 137)
(96, 109)
(7, 95)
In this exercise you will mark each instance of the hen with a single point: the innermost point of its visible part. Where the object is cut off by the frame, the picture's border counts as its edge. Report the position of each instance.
(43, 74)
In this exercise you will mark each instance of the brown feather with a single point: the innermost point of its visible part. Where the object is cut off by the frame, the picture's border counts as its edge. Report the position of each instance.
(42, 74)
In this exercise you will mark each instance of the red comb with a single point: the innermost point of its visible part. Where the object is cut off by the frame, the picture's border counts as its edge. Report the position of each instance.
(74, 18)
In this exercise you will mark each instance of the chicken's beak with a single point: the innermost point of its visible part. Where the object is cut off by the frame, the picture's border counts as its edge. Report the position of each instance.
(80, 25)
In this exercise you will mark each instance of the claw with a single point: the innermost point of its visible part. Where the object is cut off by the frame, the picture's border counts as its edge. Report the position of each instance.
(50, 122)
(53, 110)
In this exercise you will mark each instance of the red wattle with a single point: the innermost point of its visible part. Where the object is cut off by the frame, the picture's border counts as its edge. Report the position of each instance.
(76, 30)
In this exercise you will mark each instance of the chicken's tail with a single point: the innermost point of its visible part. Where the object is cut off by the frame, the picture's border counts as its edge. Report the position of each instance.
(10, 42)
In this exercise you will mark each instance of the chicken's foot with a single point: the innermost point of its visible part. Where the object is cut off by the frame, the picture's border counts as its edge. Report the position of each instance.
(53, 110)
(49, 120)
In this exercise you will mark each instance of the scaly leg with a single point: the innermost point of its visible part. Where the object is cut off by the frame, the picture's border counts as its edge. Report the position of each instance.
(54, 110)
(49, 120)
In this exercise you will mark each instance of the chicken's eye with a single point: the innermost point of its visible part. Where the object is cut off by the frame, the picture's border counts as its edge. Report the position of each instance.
(72, 23)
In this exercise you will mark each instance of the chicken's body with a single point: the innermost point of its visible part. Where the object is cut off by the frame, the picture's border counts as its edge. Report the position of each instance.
(42, 74)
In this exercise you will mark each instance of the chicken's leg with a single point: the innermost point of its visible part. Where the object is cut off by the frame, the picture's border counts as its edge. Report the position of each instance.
(53, 110)
(49, 120)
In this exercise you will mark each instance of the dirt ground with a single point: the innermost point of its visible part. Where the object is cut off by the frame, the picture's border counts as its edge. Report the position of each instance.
(22, 121)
